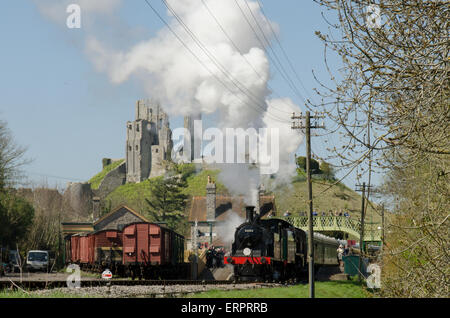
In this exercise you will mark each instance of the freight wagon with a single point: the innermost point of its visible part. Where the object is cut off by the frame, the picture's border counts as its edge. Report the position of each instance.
(151, 250)
(141, 250)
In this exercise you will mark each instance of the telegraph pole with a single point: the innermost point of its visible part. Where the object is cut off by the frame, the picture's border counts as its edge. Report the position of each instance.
(361, 235)
(194, 246)
(362, 188)
(307, 127)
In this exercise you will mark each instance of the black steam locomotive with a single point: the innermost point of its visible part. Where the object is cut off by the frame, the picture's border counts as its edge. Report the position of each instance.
(273, 249)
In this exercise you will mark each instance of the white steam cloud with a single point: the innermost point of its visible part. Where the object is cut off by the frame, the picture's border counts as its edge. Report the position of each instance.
(225, 230)
(232, 84)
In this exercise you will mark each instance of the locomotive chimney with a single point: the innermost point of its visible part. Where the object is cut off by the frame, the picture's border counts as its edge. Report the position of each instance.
(258, 193)
(249, 211)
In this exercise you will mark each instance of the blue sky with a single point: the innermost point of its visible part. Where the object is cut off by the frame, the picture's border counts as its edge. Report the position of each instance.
(70, 116)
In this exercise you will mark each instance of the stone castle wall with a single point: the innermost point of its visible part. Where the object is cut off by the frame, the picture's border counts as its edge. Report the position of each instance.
(149, 142)
(115, 178)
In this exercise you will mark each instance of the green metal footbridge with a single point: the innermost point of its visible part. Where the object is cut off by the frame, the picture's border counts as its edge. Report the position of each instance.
(372, 231)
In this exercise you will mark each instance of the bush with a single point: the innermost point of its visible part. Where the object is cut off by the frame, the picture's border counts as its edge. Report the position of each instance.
(301, 165)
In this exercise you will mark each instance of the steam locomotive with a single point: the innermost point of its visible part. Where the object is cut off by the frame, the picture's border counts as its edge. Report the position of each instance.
(274, 250)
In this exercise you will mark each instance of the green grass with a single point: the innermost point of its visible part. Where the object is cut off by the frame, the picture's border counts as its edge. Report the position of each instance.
(134, 194)
(197, 183)
(52, 294)
(331, 289)
(294, 198)
(98, 178)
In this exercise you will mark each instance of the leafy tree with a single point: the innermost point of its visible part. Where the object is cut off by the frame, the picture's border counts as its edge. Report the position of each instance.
(16, 217)
(301, 164)
(16, 214)
(167, 202)
(185, 169)
(327, 170)
(390, 107)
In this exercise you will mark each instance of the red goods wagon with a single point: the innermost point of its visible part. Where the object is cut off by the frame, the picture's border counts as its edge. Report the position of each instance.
(91, 248)
(75, 248)
(86, 249)
(68, 250)
(108, 247)
(144, 243)
(149, 251)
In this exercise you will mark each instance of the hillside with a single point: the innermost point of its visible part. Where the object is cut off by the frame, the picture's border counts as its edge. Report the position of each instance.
(291, 197)
(97, 179)
(134, 194)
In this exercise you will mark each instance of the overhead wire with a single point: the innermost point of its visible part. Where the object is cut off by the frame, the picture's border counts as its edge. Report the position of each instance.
(54, 177)
(283, 50)
(241, 87)
(243, 56)
(198, 59)
(276, 61)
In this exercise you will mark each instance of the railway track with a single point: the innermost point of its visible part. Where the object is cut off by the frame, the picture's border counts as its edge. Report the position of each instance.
(39, 284)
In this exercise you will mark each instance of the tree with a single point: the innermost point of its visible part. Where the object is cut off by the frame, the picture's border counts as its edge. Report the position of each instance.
(393, 86)
(301, 164)
(16, 217)
(390, 104)
(48, 206)
(11, 158)
(16, 214)
(416, 260)
(327, 170)
(167, 201)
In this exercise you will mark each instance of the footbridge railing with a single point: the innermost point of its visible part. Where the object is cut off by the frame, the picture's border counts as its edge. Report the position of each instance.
(372, 231)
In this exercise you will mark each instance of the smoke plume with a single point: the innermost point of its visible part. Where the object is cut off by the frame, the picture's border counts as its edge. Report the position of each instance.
(225, 230)
(194, 66)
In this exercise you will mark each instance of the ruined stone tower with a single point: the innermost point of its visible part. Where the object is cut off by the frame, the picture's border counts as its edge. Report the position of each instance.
(149, 142)
(194, 142)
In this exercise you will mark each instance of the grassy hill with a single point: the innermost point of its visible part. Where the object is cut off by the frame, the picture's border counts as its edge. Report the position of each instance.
(134, 194)
(98, 178)
(292, 197)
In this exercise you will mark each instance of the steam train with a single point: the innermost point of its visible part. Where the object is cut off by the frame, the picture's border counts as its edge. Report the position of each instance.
(274, 250)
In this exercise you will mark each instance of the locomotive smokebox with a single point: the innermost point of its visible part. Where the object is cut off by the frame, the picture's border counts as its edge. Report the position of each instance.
(250, 213)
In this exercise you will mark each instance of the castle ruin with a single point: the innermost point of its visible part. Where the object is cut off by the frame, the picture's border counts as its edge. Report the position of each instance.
(192, 142)
(149, 142)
